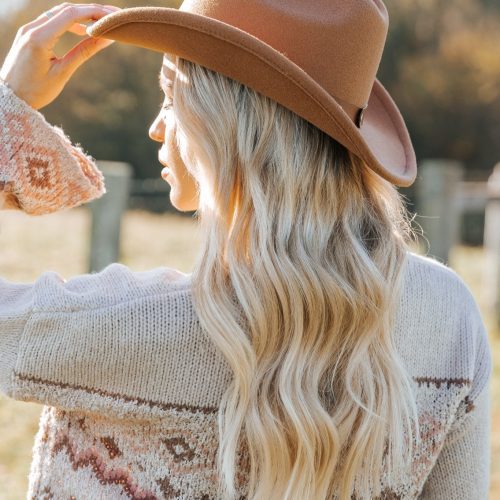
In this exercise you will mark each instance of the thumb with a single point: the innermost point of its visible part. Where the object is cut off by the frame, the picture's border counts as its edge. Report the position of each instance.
(82, 52)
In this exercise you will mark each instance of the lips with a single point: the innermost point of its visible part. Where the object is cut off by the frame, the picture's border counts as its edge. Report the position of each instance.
(162, 161)
(165, 171)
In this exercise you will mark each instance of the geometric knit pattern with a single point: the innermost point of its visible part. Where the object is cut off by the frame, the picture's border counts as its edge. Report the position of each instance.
(150, 459)
(111, 458)
(131, 383)
(41, 169)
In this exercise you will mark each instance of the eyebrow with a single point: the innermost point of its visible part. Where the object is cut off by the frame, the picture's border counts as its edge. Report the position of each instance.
(164, 83)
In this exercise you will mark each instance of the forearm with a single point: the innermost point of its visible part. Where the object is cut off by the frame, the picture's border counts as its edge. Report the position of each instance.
(41, 171)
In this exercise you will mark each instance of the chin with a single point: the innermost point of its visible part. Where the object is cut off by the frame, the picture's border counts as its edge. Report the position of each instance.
(183, 205)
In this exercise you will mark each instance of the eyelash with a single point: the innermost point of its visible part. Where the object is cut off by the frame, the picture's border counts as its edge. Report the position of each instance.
(165, 107)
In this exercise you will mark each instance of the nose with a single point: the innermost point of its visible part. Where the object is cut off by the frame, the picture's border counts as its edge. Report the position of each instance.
(157, 129)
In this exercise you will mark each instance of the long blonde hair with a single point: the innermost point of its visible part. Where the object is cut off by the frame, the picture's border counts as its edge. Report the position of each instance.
(297, 284)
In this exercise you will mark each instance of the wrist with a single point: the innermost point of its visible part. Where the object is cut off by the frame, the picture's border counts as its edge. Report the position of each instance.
(6, 83)
(16, 92)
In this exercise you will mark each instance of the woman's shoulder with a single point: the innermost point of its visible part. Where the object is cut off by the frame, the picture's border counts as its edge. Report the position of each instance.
(441, 333)
(435, 298)
(430, 281)
(424, 263)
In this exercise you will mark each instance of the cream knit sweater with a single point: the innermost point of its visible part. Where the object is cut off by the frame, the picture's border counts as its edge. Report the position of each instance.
(131, 382)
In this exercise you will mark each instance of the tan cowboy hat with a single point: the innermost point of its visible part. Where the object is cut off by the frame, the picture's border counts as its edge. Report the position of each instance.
(317, 58)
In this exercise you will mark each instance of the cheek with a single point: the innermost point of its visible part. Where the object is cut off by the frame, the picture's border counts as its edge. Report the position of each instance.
(183, 186)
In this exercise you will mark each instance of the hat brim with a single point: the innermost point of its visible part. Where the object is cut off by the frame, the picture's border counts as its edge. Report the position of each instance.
(382, 141)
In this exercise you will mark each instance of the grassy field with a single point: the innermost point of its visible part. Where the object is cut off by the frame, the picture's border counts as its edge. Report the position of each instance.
(60, 243)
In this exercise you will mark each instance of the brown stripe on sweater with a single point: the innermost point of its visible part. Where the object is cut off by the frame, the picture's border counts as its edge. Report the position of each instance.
(203, 409)
(386, 494)
(438, 381)
(117, 396)
(469, 405)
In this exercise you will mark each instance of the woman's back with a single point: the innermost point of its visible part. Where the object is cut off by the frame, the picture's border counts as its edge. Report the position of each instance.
(150, 430)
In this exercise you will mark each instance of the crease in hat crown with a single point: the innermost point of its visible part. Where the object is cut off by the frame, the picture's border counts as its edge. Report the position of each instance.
(318, 59)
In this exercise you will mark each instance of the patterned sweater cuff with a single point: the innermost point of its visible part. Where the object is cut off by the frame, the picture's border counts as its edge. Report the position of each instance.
(39, 165)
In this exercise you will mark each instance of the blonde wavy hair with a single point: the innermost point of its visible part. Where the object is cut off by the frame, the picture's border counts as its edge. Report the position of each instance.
(297, 284)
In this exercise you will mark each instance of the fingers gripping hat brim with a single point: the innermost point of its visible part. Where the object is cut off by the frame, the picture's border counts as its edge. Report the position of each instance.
(382, 141)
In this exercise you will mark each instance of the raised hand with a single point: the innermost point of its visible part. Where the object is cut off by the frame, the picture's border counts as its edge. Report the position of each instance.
(32, 69)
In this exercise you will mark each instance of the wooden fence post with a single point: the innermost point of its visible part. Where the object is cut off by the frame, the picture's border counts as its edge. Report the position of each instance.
(492, 242)
(107, 214)
(437, 188)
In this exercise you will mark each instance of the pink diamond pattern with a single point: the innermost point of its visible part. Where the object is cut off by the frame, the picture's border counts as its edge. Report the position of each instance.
(40, 165)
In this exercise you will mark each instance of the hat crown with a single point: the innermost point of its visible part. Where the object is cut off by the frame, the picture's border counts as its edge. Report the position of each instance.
(339, 43)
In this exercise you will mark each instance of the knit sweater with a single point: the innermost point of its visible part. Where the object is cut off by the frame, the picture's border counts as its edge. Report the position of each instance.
(131, 383)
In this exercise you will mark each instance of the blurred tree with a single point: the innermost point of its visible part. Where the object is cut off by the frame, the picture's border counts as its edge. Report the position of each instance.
(441, 65)
(111, 100)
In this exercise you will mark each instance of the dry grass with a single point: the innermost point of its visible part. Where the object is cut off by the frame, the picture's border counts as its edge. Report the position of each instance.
(59, 242)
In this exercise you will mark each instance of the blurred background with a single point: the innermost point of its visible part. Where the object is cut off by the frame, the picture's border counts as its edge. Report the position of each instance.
(442, 67)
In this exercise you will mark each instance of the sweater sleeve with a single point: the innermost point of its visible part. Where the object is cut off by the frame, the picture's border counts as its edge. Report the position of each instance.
(462, 469)
(116, 342)
(40, 170)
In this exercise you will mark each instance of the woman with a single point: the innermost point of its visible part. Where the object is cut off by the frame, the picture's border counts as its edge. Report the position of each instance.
(310, 354)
